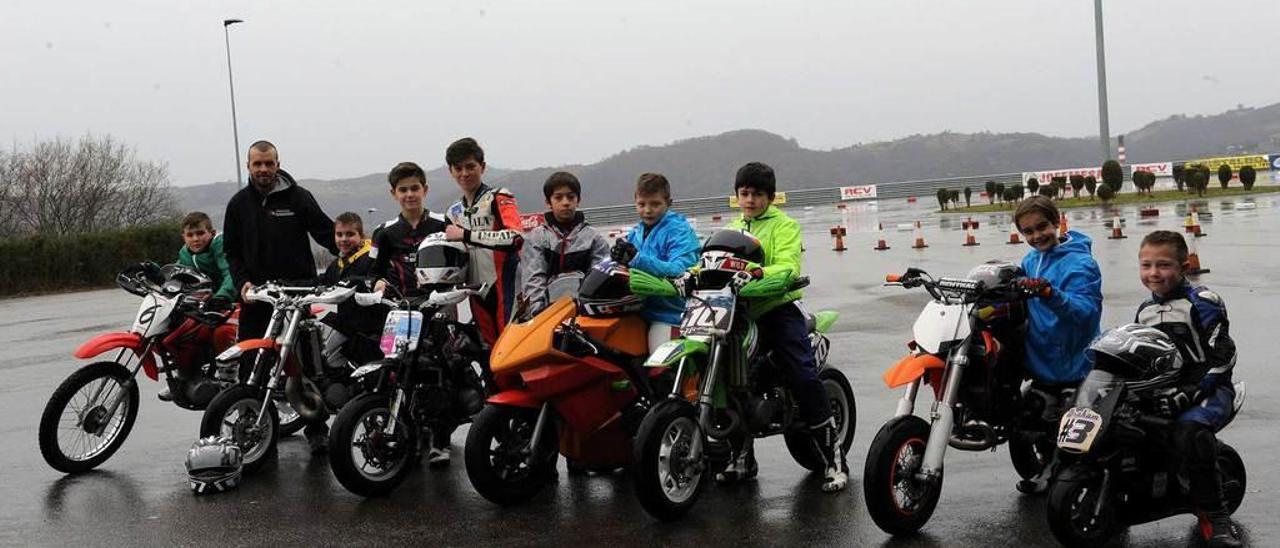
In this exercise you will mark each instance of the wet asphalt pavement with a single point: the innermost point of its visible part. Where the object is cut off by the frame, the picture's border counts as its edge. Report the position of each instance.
(139, 496)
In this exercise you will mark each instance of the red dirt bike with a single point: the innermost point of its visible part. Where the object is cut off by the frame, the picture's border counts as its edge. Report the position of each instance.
(175, 333)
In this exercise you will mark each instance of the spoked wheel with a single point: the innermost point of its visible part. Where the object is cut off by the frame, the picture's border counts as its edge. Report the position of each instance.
(499, 462)
(1231, 469)
(290, 421)
(898, 499)
(1077, 516)
(78, 429)
(1030, 456)
(363, 456)
(668, 479)
(234, 413)
(843, 409)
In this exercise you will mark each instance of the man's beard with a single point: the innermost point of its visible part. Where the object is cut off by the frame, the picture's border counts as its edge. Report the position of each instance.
(264, 184)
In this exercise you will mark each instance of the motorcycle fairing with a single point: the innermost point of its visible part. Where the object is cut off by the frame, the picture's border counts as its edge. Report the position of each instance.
(529, 343)
(941, 323)
(824, 319)
(116, 341)
(669, 353)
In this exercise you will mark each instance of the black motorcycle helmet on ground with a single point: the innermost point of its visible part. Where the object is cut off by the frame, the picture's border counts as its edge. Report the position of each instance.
(606, 291)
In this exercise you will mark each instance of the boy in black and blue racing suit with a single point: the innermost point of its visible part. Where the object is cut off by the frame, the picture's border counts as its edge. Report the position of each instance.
(1203, 400)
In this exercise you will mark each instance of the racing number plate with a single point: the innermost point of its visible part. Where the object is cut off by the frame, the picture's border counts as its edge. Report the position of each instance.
(402, 326)
(1078, 429)
(704, 314)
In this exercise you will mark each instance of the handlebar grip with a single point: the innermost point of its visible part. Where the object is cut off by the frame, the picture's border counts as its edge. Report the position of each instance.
(800, 283)
(892, 278)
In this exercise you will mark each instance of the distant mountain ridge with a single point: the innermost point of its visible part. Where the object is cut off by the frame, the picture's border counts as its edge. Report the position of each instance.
(704, 166)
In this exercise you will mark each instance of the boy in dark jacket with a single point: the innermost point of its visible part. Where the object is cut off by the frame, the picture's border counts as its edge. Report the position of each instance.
(1202, 402)
(352, 328)
(395, 243)
(563, 243)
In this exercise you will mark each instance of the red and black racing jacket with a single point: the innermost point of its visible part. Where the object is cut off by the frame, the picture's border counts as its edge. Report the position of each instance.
(492, 231)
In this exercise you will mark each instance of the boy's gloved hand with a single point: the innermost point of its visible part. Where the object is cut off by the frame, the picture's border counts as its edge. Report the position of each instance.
(218, 303)
(684, 284)
(743, 277)
(1036, 287)
(1175, 402)
(623, 252)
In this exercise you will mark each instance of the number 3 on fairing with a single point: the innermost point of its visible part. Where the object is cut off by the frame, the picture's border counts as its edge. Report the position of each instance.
(1078, 429)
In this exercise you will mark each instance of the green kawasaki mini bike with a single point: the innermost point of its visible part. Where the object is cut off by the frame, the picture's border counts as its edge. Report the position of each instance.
(726, 388)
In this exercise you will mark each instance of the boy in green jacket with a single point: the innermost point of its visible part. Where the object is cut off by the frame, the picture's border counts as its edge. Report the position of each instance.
(203, 252)
(782, 322)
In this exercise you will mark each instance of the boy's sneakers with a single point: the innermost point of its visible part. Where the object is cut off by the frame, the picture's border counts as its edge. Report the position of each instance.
(439, 456)
(741, 466)
(1039, 483)
(165, 394)
(836, 475)
(1219, 531)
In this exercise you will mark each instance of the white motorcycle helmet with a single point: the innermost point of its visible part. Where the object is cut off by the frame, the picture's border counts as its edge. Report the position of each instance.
(441, 262)
(214, 465)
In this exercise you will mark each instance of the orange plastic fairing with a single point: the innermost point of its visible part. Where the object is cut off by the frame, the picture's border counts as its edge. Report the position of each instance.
(531, 343)
(910, 368)
(626, 334)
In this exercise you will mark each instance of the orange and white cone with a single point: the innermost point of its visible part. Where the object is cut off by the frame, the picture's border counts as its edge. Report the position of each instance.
(1193, 259)
(880, 243)
(838, 231)
(919, 238)
(1117, 232)
(969, 239)
(1062, 224)
(1013, 235)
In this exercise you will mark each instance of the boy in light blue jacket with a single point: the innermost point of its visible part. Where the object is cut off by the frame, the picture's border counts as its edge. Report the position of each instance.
(662, 244)
(1063, 317)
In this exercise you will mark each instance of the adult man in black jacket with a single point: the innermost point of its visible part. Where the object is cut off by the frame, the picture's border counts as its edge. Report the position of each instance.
(265, 238)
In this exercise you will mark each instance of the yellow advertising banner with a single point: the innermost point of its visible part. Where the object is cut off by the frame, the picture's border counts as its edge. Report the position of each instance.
(778, 199)
(1258, 161)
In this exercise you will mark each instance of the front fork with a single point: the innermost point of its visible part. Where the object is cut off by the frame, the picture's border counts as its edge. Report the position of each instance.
(706, 399)
(943, 415)
(121, 358)
(286, 345)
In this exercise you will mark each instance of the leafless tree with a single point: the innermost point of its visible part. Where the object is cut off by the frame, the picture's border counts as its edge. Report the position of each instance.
(66, 187)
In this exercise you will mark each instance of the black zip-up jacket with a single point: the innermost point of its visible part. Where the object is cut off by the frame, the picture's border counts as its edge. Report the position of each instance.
(265, 237)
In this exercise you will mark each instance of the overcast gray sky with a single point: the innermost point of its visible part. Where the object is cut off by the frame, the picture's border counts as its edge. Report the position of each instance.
(349, 88)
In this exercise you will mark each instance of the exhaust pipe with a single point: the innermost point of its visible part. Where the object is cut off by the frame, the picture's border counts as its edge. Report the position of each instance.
(974, 436)
(305, 398)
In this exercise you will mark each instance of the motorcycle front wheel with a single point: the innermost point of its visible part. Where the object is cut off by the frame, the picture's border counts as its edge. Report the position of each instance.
(76, 432)
(499, 463)
(899, 502)
(843, 409)
(364, 458)
(1030, 456)
(234, 413)
(1074, 514)
(1231, 469)
(667, 480)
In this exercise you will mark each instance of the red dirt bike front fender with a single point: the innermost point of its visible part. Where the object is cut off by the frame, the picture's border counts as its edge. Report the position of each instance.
(107, 342)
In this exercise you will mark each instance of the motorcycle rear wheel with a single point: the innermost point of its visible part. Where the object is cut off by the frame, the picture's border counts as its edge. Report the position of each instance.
(498, 463)
(1234, 481)
(1030, 457)
(234, 413)
(361, 458)
(898, 502)
(666, 483)
(87, 415)
(1070, 508)
(845, 411)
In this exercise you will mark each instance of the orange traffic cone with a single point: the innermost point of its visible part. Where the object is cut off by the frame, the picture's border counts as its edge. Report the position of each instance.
(1193, 259)
(1193, 223)
(880, 243)
(838, 231)
(969, 239)
(1117, 233)
(1013, 235)
(919, 237)
(973, 223)
(1062, 224)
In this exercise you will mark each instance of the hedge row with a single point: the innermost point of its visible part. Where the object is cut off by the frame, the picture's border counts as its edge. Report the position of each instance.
(36, 263)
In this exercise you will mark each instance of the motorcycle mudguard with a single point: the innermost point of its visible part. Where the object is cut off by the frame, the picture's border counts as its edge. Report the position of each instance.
(515, 398)
(241, 347)
(910, 368)
(823, 320)
(1079, 472)
(671, 352)
(117, 341)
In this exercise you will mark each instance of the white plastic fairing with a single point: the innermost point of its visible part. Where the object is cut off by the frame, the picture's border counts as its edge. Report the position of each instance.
(153, 315)
(941, 323)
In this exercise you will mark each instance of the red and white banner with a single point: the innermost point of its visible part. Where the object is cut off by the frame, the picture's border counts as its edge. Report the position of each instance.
(858, 192)
(1045, 176)
(1159, 169)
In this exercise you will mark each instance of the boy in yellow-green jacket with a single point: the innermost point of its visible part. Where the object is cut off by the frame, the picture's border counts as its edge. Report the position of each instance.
(782, 322)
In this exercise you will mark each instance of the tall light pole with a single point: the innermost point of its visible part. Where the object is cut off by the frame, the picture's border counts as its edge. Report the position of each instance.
(235, 128)
(1103, 125)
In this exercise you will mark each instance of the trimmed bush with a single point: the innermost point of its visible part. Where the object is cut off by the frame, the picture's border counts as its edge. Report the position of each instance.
(1224, 175)
(1105, 193)
(39, 263)
(1113, 175)
(1033, 185)
(1247, 177)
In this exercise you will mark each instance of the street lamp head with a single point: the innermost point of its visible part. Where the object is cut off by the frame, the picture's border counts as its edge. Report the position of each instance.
(229, 22)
